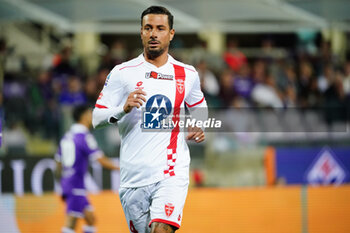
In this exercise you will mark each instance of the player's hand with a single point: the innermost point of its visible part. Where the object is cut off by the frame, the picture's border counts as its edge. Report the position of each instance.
(196, 134)
(135, 99)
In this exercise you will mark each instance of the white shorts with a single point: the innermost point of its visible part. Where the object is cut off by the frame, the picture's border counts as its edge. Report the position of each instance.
(159, 202)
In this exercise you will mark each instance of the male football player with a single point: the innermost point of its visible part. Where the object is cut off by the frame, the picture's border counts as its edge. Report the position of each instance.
(76, 148)
(145, 98)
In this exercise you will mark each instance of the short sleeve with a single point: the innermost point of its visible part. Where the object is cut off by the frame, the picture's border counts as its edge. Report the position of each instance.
(113, 91)
(92, 149)
(195, 96)
(109, 104)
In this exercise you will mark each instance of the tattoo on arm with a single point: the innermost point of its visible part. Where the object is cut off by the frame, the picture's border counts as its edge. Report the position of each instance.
(158, 227)
(167, 228)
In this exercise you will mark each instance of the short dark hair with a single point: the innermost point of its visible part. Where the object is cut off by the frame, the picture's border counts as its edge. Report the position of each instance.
(159, 10)
(79, 110)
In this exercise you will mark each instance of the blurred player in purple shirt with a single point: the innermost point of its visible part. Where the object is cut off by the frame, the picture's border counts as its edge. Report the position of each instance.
(76, 148)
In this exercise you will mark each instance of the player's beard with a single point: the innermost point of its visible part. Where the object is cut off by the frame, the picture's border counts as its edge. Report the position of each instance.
(154, 53)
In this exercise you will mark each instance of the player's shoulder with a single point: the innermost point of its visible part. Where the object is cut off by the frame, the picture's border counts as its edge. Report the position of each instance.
(84, 139)
(78, 131)
(189, 69)
(128, 65)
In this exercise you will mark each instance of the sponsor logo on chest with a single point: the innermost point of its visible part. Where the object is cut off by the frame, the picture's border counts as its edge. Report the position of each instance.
(160, 76)
(139, 85)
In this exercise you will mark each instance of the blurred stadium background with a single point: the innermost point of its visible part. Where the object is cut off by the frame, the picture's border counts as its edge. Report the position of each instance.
(276, 71)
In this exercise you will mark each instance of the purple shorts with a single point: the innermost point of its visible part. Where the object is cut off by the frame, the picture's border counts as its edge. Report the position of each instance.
(76, 205)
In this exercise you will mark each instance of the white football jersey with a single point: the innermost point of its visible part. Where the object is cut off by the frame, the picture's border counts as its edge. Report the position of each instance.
(151, 150)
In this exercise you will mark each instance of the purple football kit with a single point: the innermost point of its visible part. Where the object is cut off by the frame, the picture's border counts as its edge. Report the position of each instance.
(76, 148)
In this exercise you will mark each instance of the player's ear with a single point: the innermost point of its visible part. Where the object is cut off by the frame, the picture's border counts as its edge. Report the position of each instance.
(172, 34)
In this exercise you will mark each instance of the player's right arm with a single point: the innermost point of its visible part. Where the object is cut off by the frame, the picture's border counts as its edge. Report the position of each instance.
(114, 102)
(108, 106)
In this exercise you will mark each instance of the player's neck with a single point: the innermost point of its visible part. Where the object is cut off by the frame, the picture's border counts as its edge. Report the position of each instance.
(158, 61)
(84, 123)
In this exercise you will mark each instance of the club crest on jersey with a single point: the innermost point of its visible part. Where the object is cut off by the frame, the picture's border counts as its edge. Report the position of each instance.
(158, 108)
(180, 86)
(156, 75)
(169, 209)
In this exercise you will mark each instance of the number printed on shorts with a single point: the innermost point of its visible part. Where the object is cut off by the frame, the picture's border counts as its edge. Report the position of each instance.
(132, 228)
(68, 152)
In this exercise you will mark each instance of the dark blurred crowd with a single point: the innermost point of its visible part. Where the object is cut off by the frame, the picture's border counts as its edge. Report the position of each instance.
(37, 98)
(299, 80)
(296, 80)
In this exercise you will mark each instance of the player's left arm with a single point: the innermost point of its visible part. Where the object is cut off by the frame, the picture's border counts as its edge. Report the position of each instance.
(196, 134)
(197, 106)
(95, 153)
(107, 163)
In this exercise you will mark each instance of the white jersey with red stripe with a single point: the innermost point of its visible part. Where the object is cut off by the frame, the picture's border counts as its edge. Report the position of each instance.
(149, 154)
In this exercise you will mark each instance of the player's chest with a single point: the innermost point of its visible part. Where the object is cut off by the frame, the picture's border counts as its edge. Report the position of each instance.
(156, 83)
